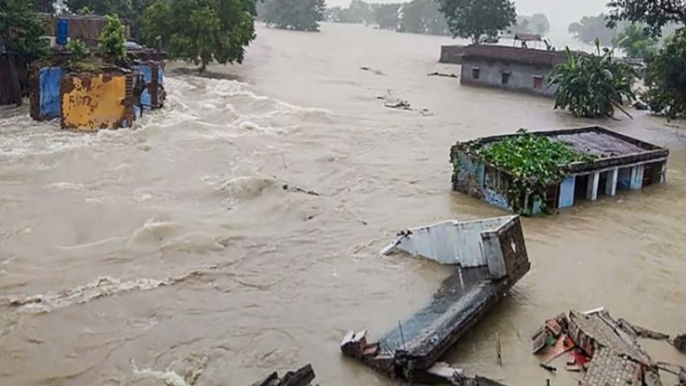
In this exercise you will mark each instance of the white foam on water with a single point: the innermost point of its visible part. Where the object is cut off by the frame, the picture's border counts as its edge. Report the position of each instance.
(170, 378)
(102, 287)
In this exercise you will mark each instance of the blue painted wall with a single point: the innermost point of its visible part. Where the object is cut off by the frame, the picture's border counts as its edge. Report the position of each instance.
(50, 98)
(624, 179)
(146, 70)
(637, 177)
(567, 192)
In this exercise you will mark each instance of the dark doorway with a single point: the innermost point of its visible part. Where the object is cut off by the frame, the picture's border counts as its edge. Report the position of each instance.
(652, 174)
(581, 187)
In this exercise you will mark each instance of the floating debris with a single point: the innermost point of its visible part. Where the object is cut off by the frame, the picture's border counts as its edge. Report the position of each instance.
(443, 75)
(606, 350)
(302, 377)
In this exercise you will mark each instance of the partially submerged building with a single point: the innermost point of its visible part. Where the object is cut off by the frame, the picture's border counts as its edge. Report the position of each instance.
(510, 68)
(101, 100)
(86, 28)
(612, 162)
(489, 257)
(452, 54)
(102, 97)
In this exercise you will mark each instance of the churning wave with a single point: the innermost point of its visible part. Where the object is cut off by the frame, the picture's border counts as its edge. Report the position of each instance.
(206, 108)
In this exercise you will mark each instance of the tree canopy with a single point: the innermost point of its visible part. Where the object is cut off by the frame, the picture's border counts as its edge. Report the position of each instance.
(301, 15)
(479, 20)
(201, 31)
(536, 24)
(592, 85)
(423, 16)
(655, 14)
(21, 36)
(666, 77)
(590, 28)
(636, 42)
(387, 16)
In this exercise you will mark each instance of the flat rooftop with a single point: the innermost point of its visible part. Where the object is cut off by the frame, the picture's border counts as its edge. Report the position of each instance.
(609, 148)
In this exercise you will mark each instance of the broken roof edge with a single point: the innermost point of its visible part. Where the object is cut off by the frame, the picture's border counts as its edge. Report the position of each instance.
(499, 223)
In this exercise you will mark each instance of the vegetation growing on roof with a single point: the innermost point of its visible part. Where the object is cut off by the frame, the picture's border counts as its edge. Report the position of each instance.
(534, 162)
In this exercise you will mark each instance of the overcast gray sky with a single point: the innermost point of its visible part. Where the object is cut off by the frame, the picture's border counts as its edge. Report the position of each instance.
(560, 12)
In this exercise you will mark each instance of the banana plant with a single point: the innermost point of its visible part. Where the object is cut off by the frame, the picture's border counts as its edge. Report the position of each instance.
(593, 85)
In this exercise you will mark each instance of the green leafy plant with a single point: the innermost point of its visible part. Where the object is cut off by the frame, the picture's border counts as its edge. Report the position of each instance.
(78, 51)
(636, 42)
(593, 85)
(111, 44)
(534, 162)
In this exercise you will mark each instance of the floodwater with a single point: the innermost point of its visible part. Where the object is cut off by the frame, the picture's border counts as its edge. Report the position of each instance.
(172, 254)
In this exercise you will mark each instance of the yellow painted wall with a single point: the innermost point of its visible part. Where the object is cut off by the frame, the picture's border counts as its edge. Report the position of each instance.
(94, 102)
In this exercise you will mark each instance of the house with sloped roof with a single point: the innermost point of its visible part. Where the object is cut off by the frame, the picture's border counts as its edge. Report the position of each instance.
(510, 68)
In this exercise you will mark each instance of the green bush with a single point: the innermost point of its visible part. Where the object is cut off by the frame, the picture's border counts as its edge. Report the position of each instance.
(78, 51)
(112, 41)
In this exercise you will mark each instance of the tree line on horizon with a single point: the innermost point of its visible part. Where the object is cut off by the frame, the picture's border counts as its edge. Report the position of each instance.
(206, 31)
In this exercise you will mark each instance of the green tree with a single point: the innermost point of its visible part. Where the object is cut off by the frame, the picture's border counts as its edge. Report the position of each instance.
(656, 14)
(201, 31)
(592, 85)
(479, 20)
(45, 6)
(301, 15)
(424, 17)
(636, 42)
(21, 36)
(540, 24)
(591, 28)
(386, 16)
(111, 44)
(666, 77)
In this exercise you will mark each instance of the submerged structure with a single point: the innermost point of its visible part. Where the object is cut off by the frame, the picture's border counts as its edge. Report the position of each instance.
(92, 101)
(602, 163)
(510, 68)
(603, 350)
(101, 96)
(489, 257)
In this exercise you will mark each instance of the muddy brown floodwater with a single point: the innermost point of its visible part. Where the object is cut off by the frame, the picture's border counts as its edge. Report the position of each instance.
(147, 256)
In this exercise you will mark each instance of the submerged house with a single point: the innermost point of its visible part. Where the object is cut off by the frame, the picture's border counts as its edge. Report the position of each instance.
(608, 162)
(103, 97)
(489, 256)
(510, 68)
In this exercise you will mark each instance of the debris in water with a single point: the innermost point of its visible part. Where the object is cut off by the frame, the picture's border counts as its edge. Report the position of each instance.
(302, 377)
(607, 351)
(680, 343)
(443, 75)
(376, 72)
(396, 103)
(640, 105)
(299, 190)
(489, 257)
